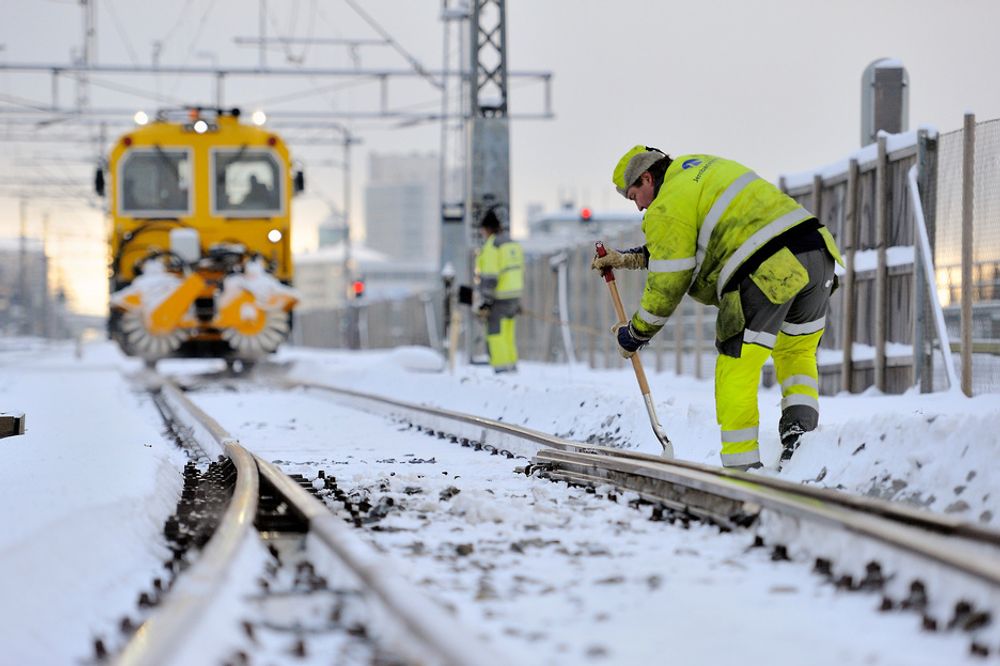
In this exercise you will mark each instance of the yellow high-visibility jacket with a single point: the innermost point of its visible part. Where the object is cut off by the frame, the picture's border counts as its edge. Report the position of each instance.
(709, 216)
(500, 265)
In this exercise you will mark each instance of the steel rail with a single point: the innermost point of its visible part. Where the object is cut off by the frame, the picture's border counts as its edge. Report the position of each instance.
(927, 520)
(422, 618)
(715, 492)
(158, 638)
(744, 493)
(430, 628)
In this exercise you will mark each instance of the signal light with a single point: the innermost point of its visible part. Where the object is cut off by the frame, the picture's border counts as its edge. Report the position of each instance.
(358, 288)
(586, 214)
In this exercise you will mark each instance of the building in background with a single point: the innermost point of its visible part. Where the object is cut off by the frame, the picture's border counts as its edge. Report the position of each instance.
(322, 281)
(400, 253)
(331, 231)
(568, 225)
(402, 214)
(24, 297)
(29, 304)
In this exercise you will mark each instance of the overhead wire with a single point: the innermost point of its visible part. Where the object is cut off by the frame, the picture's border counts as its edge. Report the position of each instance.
(129, 90)
(286, 43)
(121, 32)
(181, 17)
(310, 92)
(416, 64)
(194, 42)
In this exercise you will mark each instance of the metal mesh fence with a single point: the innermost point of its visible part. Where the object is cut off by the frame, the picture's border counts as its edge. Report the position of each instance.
(947, 241)
(986, 216)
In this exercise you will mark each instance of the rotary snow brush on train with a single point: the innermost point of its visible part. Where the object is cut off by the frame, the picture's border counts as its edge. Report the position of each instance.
(200, 238)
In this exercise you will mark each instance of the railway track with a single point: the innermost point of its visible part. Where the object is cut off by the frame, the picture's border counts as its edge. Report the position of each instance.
(889, 546)
(947, 570)
(316, 588)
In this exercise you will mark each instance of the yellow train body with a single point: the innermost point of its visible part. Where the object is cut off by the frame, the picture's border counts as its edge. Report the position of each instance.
(200, 238)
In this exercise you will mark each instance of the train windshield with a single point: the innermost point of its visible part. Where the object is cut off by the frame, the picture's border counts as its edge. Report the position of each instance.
(155, 181)
(247, 183)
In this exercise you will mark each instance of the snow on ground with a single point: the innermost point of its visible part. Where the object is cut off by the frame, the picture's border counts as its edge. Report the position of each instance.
(542, 563)
(86, 491)
(548, 574)
(934, 450)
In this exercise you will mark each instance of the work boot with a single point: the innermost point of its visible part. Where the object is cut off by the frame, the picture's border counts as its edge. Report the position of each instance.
(790, 439)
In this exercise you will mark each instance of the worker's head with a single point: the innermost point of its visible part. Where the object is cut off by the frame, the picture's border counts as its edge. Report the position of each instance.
(490, 223)
(639, 174)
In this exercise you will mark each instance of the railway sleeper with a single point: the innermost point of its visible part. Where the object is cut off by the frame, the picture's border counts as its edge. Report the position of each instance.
(723, 512)
(203, 500)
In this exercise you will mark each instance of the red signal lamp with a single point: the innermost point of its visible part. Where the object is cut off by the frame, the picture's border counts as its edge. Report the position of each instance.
(358, 288)
(586, 214)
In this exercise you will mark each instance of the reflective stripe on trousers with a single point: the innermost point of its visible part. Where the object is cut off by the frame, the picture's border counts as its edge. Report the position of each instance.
(736, 382)
(796, 372)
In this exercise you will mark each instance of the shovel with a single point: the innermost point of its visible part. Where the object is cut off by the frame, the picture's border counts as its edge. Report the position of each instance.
(640, 374)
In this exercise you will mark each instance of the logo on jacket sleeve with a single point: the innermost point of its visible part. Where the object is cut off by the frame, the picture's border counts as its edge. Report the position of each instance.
(693, 162)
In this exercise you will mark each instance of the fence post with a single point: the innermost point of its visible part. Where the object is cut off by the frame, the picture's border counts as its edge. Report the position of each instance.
(591, 321)
(547, 307)
(849, 243)
(699, 334)
(658, 343)
(968, 204)
(881, 224)
(817, 196)
(923, 324)
(679, 340)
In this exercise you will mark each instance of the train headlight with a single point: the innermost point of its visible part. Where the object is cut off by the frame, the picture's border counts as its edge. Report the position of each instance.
(140, 118)
(258, 117)
(200, 126)
(274, 235)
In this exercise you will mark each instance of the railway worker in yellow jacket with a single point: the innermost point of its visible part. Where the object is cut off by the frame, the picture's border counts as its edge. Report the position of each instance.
(500, 268)
(717, 231)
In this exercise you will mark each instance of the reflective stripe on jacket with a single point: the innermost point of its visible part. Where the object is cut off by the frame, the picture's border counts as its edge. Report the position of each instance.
(710, 215)
(500, 265)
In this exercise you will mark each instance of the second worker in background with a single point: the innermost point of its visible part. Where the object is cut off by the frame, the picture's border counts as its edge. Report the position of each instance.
(500, 267)
(717, 231)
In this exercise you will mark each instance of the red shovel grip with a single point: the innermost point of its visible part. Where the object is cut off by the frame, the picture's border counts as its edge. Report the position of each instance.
(607, 273)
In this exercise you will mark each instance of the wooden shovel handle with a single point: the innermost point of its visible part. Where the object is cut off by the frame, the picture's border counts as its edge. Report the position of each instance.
(609, 277)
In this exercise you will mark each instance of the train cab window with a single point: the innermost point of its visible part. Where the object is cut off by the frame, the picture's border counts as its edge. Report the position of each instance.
(155, 181)
(248, 183)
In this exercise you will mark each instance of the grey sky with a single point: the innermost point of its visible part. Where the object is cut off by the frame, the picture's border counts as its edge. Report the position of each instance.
(772, 83)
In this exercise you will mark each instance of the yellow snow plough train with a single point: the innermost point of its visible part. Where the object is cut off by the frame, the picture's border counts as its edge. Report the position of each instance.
(200, 239)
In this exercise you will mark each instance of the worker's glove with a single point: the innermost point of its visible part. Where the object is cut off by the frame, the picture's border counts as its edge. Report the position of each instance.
(483, 312)
(632, 259)
(629, 342)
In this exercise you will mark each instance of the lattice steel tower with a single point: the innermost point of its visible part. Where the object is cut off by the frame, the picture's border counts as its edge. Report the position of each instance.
(487, 154)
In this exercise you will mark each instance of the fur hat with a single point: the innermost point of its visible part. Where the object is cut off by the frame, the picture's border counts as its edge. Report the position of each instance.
(632, 165)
